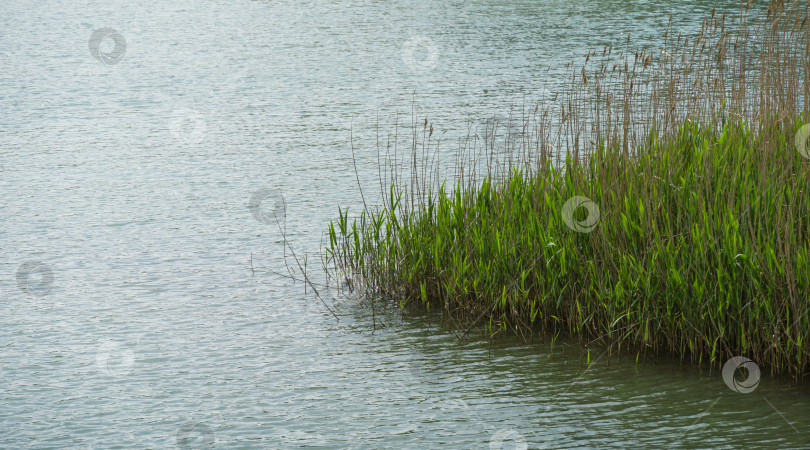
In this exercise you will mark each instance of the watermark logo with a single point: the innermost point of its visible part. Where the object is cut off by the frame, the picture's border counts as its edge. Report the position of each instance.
(35, 278)
(114, 359)
(187, 126)
(195, 435)
(355, 287)
(508, 435)
(103, 54)
(741, 364)
(267, 206)
(420, 53)
(801, 140)
(585, 225)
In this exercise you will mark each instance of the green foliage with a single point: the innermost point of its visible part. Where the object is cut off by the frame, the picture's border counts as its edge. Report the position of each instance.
(701, 249)
(701, 244)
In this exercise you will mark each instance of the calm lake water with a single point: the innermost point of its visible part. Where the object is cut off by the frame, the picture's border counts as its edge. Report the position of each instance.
(138, 303)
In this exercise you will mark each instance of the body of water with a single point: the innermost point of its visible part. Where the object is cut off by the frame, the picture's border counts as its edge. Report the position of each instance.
(139, 307)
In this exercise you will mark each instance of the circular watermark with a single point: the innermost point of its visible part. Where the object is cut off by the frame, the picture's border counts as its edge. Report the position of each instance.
(195, 435)
(585, 225)
(505, 435)
(333, 286)
(267, 206)
(103, 55)
(801, 140)
(730, 370)
(35, 278)
(114, 358)
(420, 53)
(355, 287)
(187, 125)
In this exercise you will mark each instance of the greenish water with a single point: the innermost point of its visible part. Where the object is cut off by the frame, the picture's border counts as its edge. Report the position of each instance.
(129, 180)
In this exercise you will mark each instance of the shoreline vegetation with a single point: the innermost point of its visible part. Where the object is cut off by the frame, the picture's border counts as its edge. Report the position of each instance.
(660, 205)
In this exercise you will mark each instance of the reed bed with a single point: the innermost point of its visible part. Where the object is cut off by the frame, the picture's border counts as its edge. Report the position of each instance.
(660, 205)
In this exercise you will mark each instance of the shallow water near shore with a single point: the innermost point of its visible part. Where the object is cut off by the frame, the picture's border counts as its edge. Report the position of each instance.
(139, 307)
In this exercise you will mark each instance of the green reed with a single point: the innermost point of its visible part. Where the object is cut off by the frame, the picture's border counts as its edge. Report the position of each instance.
(700, 247)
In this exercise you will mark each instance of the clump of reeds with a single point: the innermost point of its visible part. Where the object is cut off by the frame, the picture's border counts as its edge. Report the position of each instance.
(700, 247)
